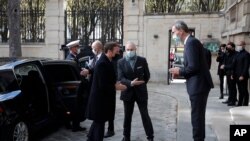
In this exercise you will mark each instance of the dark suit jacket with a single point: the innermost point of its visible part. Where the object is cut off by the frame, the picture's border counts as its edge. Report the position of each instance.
(126, 74)
(241, 65)
(101, 104)
(208, 57)
(220, 58)
(196, 69)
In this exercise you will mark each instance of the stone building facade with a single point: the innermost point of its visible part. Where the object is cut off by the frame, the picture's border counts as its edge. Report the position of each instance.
(151, 33)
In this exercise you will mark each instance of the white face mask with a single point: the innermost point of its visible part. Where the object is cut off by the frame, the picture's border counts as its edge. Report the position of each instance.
(239, 48)
(78, 50)
(130, 54)
(176, 38)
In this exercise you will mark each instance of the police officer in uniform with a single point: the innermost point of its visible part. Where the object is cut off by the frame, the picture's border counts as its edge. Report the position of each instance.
(79, 110)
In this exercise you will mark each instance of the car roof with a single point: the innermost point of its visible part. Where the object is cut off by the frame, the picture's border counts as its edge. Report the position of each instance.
(11, 63)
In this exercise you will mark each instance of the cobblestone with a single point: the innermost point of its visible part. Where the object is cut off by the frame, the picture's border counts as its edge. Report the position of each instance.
(163, 113)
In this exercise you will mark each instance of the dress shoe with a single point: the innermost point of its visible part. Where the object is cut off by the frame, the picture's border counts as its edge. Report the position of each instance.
(75, 129)
(221, 97)
(225, 102)
(150, 139)
(231, 104)
(125, 139)
(109, 134)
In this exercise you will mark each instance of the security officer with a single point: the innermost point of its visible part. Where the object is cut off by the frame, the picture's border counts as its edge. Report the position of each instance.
(77, 115)
(74, 50)
(240, 73)
(228, 66)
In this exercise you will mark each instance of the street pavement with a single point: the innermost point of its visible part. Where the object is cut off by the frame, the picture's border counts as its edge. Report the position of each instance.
(169, 109)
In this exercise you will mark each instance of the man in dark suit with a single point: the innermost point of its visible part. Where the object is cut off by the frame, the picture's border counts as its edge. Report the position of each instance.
(134, 73)
(221, 72)
(111, 128)
(228, 67)
(196, 72)
(101, 104)
(240, 73)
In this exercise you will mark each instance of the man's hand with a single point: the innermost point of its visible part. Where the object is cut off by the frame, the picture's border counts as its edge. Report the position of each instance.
(222, 66)
(136, 82)
(175, 72)
(120, 86)
(241, 78)
(84, 72)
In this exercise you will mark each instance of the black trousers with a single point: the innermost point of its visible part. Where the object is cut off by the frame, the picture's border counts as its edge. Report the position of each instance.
(232, 95)
(111, 125)
(143, 108)
(96, 131)
(198, 112)
(221, 84)
(243, 92)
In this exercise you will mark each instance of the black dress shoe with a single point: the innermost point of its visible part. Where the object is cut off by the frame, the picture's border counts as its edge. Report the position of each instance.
(225, 102)
(231, 104)
(75, 129)
(221, 97)
(109, 134)
(150, 139)
(125, 139)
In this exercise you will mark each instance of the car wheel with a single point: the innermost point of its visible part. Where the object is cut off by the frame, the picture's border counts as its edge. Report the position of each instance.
(20, 132)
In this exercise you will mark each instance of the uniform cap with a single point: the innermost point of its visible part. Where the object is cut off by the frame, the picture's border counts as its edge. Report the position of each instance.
(73, 44)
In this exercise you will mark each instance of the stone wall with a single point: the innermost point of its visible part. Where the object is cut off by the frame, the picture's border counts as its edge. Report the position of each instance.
(142, 29)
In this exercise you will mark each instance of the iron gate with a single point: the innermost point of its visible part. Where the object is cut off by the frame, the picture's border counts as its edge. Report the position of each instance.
(89, 25)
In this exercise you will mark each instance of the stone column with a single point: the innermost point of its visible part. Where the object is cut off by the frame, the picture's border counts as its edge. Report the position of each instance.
(133, 23)
(55, 28)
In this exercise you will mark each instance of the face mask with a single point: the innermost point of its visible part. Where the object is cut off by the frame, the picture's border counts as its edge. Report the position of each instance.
(239, 48)
(130, 54)
(176, 38)
(95, 52)
(78, 50)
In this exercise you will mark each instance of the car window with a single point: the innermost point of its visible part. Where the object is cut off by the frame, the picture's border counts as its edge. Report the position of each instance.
(61, 72)
(8, 82)
(23, 71)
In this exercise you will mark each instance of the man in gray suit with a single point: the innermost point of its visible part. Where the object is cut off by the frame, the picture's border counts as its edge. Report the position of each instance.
(196, 72)
(134, 73)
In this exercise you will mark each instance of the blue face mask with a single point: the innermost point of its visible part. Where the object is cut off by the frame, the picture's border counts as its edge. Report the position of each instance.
(130, 54)
(176, 38)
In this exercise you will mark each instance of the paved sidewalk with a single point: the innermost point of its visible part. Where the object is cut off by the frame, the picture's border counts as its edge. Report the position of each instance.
(169, 109)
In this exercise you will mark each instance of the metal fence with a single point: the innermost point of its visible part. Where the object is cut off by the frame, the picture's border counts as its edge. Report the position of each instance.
(32, 26)
(94, 24)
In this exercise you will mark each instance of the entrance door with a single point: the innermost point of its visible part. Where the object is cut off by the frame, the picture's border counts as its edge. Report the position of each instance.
(175, 55)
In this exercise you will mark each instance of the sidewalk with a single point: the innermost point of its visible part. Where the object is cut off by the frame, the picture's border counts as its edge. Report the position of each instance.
(169, 109)
(218, 118)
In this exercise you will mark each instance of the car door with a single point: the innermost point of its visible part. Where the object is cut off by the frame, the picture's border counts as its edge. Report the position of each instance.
(35, 92)
(64, 79)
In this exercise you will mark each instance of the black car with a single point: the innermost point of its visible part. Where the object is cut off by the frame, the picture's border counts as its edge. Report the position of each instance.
(35, 93)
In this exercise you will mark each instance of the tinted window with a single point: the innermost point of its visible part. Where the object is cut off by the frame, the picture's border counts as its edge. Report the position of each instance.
(60, 73)
(8, 82)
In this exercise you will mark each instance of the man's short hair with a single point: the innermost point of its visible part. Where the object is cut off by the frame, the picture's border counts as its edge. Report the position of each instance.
(223, 45)
(181, 25)
(110, 46)
(231, 44)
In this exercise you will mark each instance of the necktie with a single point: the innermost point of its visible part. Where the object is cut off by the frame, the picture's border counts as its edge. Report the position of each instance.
(94, 61)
